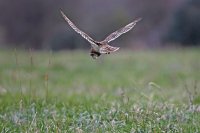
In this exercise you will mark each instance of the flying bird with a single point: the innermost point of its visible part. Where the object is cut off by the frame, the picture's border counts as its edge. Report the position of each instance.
(101, 47)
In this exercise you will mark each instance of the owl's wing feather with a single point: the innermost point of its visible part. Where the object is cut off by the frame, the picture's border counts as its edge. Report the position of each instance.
(84, 35)
(121, 31)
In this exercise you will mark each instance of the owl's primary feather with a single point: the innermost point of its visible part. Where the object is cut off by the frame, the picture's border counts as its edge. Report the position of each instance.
(121, 31)
(83, 34)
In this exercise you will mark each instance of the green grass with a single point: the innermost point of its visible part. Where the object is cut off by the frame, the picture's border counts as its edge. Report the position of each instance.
(144, 91)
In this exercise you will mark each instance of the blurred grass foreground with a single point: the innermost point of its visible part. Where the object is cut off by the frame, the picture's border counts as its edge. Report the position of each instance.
(68, 91)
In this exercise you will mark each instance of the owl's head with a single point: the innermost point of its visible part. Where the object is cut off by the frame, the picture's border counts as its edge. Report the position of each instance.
(95, 55)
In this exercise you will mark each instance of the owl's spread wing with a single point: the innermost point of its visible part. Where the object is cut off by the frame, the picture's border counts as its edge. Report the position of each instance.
(121, 31)
(84, 35)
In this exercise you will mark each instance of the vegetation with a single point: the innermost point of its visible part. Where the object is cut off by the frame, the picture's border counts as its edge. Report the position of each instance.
(144, 91)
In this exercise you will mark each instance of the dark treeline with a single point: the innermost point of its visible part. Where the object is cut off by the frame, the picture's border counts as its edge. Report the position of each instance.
(185, 28)
(38, 24)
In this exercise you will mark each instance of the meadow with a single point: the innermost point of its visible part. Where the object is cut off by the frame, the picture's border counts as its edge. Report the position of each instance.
(128, 91)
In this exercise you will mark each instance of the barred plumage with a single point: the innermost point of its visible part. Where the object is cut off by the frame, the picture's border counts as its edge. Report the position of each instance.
(83, 34)
(121, 31)
(98, 48)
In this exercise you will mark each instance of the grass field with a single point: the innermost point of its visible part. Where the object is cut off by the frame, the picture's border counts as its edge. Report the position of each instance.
(144, 91)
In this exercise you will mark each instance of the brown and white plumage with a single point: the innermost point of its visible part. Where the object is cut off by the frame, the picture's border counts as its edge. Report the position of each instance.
(98, 48)
(121, 31)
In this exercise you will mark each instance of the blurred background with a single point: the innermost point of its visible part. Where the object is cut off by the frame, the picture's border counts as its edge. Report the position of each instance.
(38, 24)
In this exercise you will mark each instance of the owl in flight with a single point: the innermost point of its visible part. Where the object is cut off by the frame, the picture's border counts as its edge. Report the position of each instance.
(102, 47)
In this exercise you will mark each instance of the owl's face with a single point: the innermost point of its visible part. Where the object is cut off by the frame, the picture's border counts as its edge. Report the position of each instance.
(95, 55)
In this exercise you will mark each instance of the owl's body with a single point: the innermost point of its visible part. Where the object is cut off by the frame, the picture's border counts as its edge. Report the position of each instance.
(98, 48)
(101, 48)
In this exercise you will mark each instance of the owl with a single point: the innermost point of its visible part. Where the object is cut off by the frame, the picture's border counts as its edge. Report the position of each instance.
(101, 47)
